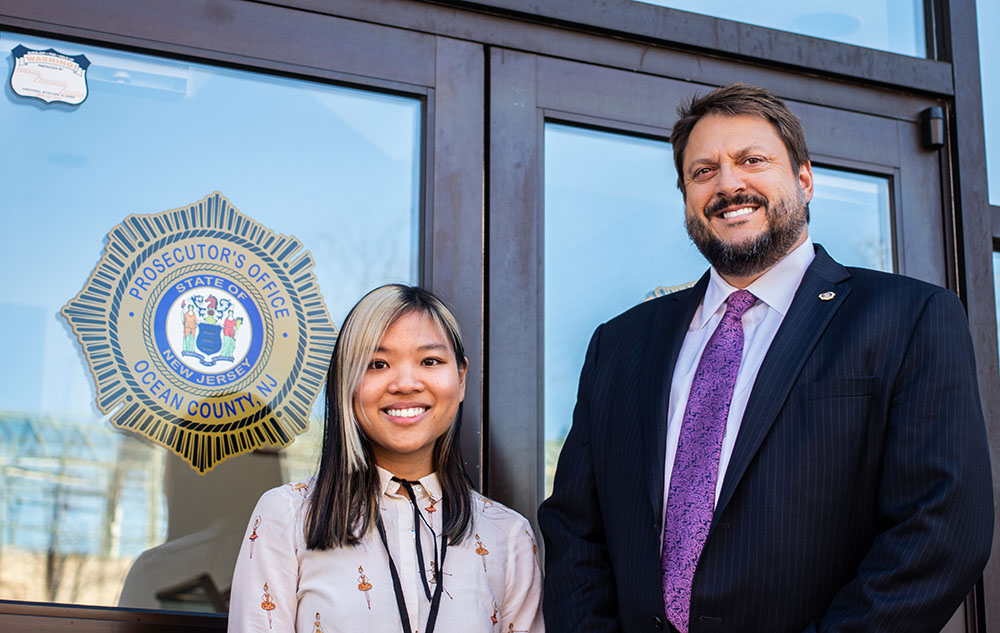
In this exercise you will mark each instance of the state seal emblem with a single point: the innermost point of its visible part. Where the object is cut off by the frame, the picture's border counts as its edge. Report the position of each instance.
(205, 331)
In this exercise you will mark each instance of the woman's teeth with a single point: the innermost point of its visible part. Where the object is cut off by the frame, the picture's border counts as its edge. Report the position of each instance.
(412, 412)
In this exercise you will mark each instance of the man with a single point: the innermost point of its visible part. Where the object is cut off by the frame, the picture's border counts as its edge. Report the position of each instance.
(789, 445)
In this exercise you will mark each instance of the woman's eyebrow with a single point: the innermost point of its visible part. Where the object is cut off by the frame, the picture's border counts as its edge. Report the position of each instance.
(431, 346)
(420, 348)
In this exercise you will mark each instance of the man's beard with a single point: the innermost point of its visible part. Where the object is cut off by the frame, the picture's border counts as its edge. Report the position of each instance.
(786, 220)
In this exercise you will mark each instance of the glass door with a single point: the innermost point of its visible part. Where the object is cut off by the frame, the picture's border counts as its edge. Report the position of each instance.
(288, 174)
(583, 202)
(614, 236)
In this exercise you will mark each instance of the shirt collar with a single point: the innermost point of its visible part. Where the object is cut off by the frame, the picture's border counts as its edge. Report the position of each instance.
(776, 287)
(429, 485)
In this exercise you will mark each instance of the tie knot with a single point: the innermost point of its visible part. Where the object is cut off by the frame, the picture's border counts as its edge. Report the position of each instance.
(739, 302)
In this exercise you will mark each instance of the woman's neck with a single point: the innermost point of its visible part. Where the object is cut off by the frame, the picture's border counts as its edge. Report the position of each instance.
(409, 472)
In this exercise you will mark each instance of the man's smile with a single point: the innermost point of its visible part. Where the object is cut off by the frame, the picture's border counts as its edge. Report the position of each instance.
(738, 213)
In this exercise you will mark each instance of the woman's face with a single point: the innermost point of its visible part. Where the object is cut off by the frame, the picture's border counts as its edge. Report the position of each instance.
(409, 394)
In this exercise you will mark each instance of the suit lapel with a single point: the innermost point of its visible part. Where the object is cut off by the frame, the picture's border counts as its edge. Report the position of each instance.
(659, 356)
(801, 328)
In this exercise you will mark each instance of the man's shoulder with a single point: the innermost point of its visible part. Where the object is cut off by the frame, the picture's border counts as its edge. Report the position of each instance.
(894, 300)
(874, 284)
(894, 287)
(661, 301)
(656, 309)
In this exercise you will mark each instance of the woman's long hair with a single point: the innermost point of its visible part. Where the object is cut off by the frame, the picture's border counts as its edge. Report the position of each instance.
(345, 496)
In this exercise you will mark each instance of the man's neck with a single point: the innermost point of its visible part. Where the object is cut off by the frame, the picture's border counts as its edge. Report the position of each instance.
(741, 282)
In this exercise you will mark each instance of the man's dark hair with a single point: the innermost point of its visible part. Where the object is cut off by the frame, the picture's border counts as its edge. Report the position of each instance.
(734, 100)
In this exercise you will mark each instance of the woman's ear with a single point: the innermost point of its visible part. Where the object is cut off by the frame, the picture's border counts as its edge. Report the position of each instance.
(462, 371)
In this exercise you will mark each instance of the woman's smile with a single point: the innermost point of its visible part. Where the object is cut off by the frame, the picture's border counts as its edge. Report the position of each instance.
(409, 395)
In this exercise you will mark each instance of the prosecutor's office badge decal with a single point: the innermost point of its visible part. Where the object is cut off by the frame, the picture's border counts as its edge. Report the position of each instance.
(205, 331)
(49, 75)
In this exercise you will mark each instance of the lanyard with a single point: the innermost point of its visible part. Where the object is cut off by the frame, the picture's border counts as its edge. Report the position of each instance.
(418, 518)
(397, 587)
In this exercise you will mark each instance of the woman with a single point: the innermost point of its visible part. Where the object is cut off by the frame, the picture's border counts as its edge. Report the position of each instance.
(389, 535)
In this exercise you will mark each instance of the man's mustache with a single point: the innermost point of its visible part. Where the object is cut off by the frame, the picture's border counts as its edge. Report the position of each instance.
(739, 200)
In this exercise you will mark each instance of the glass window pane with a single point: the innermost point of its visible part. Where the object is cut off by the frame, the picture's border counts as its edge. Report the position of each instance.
(338, 168)
(614, 233)
(850, 216)
(988, 19)
(896, 26)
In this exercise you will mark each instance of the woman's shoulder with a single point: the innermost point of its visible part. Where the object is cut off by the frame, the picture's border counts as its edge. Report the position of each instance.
(290, 496)
(489, 511)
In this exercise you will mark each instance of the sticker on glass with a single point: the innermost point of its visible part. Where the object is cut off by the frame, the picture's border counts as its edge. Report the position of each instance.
(49, 75)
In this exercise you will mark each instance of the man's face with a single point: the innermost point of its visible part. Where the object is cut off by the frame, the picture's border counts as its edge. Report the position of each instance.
(745, 208)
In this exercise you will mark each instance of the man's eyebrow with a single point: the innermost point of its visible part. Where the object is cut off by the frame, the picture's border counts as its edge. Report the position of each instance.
(701, 161)
(753, 147)
(743, 151)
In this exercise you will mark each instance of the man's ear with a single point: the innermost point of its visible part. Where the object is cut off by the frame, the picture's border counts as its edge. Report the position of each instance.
(806, 179)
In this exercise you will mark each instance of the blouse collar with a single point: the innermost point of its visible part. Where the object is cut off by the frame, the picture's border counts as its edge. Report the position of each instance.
(429, 485)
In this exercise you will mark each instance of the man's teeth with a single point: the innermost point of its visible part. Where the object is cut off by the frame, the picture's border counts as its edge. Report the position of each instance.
(738, 212)
(412, 412)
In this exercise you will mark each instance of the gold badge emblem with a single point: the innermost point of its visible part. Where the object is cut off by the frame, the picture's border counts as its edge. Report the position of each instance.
(826, 296)
(205, 331)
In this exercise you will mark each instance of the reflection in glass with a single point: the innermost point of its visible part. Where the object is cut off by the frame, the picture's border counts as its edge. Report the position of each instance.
(338, 168)
(850, 216)
(896, 26)
(996, 291)
(988, 18)
(614, 232)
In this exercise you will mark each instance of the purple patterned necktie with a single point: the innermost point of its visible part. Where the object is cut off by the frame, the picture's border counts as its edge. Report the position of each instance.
(691, 498)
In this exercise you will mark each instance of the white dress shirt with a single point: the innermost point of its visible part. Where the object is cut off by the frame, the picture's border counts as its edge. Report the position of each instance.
(774, 291)
(492, 579)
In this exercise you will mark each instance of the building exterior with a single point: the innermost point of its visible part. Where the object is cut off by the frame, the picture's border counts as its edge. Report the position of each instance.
(509, 154)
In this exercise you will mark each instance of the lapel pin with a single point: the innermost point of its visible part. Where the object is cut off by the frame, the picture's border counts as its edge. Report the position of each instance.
(826, 296)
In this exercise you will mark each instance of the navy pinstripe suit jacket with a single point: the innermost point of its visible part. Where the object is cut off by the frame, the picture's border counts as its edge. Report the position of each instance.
(858, 497)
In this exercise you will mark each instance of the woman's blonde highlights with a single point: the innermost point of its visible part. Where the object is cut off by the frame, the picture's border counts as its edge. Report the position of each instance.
(344, 504)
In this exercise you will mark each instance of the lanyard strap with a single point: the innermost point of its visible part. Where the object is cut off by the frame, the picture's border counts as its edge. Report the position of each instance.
(397, 587)
(418, 518)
